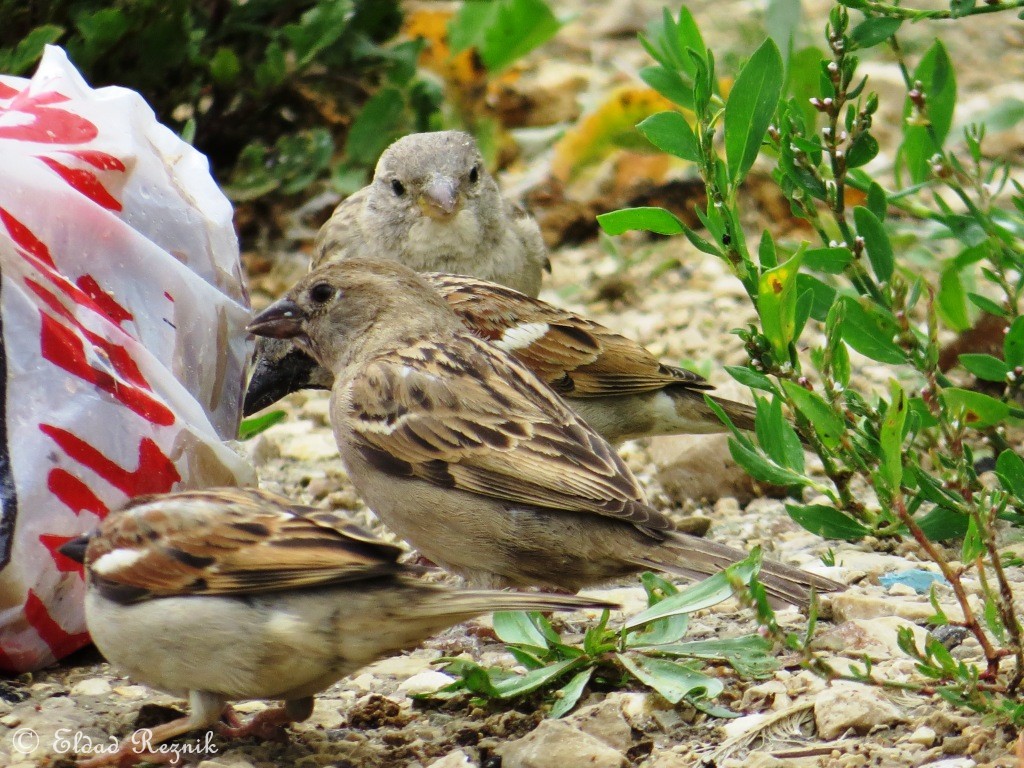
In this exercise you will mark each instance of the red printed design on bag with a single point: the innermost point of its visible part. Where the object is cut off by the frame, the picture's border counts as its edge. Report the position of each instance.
(33, 118)
(155, 473)
(60, 642)
(64, 563)
(85, 182)
(75, 494)
(63, 344)
(39, 121)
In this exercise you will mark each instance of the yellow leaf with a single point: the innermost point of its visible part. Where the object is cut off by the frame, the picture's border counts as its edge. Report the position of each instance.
(611, 126)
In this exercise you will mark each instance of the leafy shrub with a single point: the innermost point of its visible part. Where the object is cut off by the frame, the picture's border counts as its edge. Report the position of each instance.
(648, 650)
(225, 72)
(897, 463)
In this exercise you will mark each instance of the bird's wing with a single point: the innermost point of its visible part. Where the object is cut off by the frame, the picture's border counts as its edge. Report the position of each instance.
(573, 355)
(229, 541)
(458, 414)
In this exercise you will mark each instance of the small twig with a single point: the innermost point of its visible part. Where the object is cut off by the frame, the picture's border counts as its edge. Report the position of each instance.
(992, 656)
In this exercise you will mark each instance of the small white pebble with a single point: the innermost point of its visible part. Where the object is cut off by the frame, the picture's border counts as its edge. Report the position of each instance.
(901, 590)
(11, 721)
(924, 736)
(93, 686)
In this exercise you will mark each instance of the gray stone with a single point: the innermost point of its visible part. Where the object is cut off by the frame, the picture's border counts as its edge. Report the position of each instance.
(846, 707)
(700, 467)
(557, 744)
(456, 759)
(606, 722)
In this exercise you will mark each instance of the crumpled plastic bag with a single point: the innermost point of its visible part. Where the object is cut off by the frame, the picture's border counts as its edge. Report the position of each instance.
(123, 345)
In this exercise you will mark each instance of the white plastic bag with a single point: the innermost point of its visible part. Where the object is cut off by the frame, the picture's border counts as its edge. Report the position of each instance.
(123, 345)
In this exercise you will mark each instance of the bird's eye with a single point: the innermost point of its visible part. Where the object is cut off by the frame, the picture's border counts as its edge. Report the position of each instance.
(397, 187)
(474, 174)
(321, 293)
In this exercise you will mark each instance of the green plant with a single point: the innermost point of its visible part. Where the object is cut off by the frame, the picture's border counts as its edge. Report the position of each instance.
(649, 649)
(255, 425)
(899, 463)
(272, 92)
(223, 72)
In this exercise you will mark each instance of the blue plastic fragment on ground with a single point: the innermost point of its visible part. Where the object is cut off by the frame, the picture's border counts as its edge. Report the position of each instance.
(919, 580)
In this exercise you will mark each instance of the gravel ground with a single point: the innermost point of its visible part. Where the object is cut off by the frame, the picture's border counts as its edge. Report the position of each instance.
(791, 719)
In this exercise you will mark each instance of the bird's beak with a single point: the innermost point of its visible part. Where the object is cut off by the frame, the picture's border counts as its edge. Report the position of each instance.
(440, 198)
(281, 320)
(75, 549)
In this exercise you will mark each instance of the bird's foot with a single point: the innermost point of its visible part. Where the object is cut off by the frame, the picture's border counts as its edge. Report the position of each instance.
(268, 725)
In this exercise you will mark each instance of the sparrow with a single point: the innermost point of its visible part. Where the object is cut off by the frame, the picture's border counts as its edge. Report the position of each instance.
(616, 385)
(432, 205)
(232, 593)
(463, 452)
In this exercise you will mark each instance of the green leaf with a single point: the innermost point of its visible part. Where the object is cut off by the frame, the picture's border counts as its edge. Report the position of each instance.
(249, 428)
(760, 468)
(748, 377)
(862, 151)
(952, 300)
(668, 630)
(318, 28)
(518, 627)
(986, 304)
(827, 424)
(749, 655)
(669, 84)
(827, 522)
(673, 681)
(776, 305)
(974, 408)
(567, 696)
(704, 594)
(974, 545)
(271, 72)
(891, 437)
(101, 31)
(877, 202)
(985, 367)
(922, 141)
(29, 49)
(520, 685)
(598, 639)
(749, 110)
(503, 31)
(941, 524)
(1010, 471)
(656, 220)
(874, 30)
(776, 436)
(1013, 344)
(871, 331)
(377, 125)
(832, 261)
(670, 132)
(225, 66)
(876, 242)
(823, 296)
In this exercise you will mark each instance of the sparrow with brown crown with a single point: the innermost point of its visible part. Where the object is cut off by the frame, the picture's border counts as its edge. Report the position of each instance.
(463, 452)
(234, 594)
(617, 386)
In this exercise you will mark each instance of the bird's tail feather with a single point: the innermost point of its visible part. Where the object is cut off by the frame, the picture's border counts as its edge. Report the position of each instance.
(472, 602)
(694, 558)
